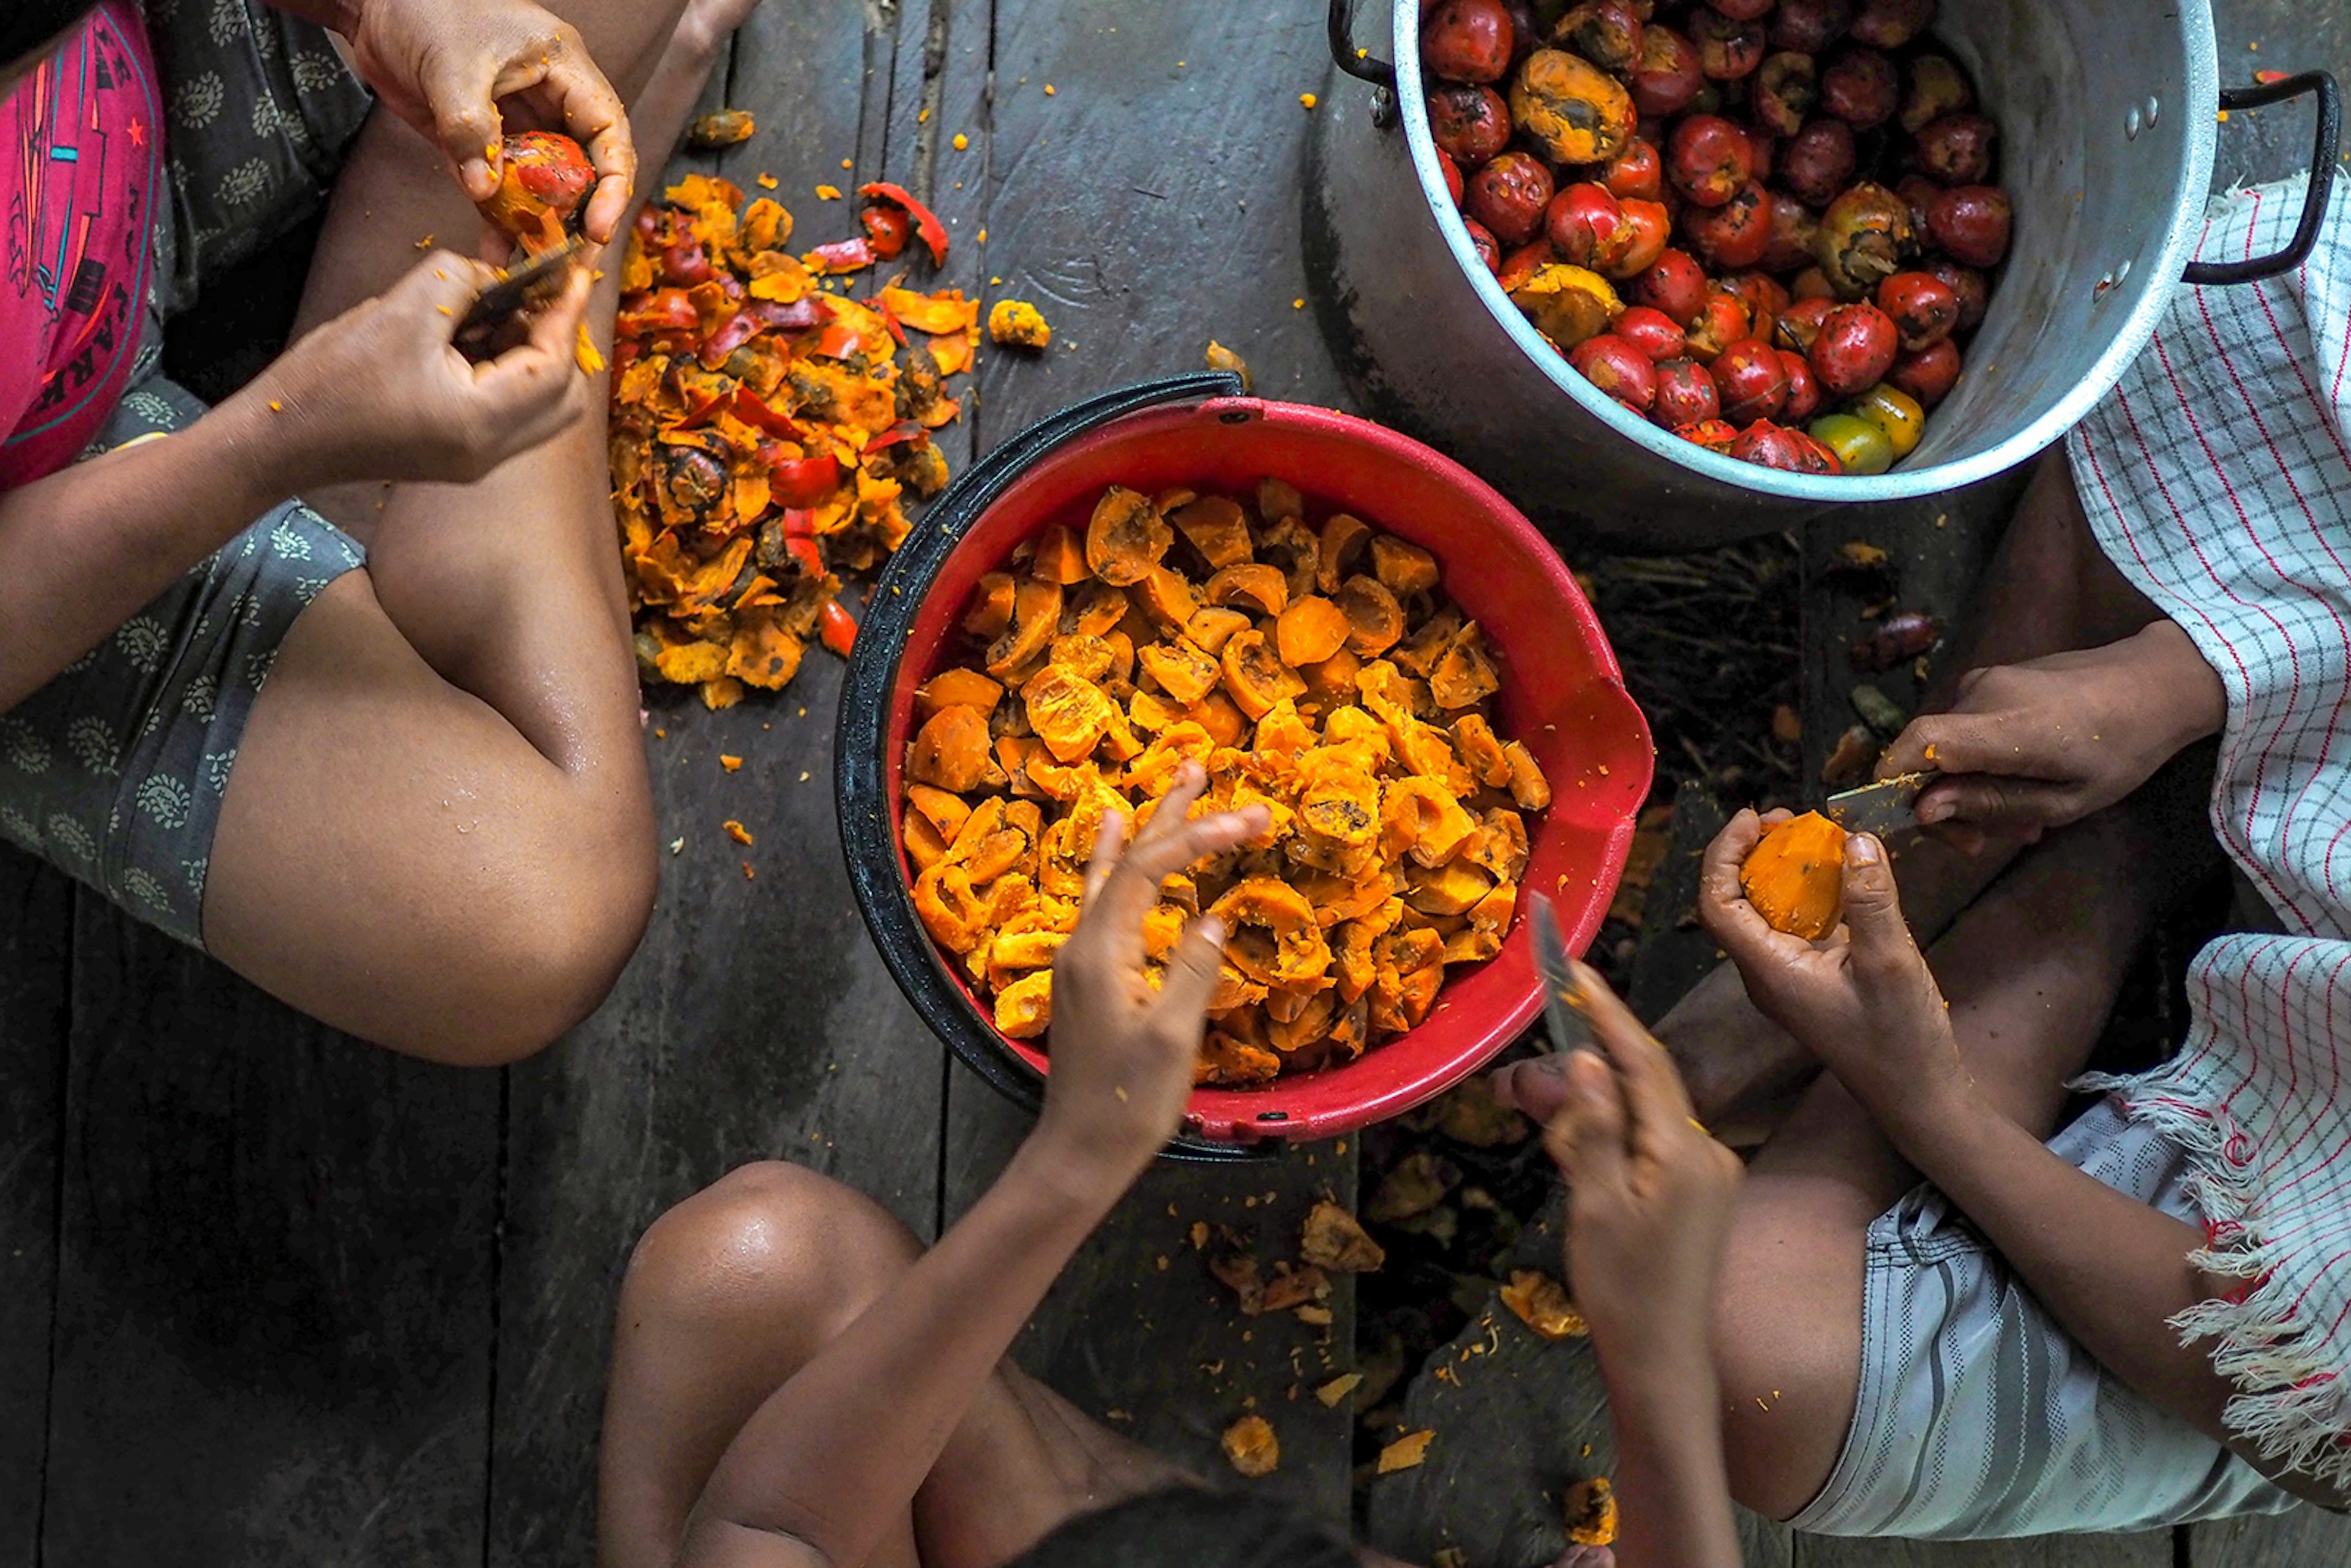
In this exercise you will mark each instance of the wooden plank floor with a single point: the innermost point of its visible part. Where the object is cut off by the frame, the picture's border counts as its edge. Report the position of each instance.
(277, 1297)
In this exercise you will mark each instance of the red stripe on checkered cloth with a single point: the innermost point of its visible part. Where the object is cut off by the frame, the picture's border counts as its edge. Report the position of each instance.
(2218, 477)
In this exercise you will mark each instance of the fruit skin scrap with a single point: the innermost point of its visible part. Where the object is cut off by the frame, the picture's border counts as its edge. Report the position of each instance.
(765, 436)
(1405, 1453)
(927, 227)
(724, 128)
(1250, 1446)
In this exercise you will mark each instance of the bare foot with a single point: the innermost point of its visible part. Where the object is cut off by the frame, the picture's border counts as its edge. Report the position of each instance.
(1744, 1071)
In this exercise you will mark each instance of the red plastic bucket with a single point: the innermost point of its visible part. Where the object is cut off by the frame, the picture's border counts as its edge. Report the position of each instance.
(1561, 694)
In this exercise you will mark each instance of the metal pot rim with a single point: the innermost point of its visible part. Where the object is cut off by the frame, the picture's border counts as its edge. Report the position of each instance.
(2153, 285)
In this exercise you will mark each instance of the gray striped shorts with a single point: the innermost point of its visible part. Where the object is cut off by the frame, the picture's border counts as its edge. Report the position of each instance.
(1978, 1416)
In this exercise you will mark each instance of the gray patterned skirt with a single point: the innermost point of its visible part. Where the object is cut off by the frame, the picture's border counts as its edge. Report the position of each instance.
(114, 771)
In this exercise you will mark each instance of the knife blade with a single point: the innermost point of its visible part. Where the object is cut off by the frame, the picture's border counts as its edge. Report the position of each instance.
(1888, 805)
(1564, 1004)
(520, 289)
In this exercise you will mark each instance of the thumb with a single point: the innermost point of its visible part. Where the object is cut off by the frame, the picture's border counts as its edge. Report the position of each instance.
(466, 120)
(1993, 800)
(1191, 977)
(1586, 1137)
(1872, 903)
(1536, 1087)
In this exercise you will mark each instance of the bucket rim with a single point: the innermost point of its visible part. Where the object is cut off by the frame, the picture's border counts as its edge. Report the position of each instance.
(866, 800)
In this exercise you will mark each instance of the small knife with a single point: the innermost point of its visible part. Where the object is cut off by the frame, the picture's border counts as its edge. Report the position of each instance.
(1564, 1004)
(518, 289)
(1885, 806)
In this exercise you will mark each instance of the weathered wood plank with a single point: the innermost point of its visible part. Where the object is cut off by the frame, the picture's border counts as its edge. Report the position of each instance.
(35, 927)
(1138, 1334)
(2306, 1538)
(1151, 202)
(938, 90)
(272, 1339)
(2152, 1549)
(1146, 205)
(1517, 1419)
(1673, 955)
(1939, 544)
(2273, 36)
(756, 1020)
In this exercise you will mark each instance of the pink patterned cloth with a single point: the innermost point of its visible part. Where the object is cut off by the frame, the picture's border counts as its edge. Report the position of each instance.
(82, 138)
(2218, 478)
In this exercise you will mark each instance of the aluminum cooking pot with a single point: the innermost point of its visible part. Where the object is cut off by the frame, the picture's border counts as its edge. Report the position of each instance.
(2108, 116)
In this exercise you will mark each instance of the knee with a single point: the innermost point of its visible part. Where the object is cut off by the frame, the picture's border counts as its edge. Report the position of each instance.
(1787, 1346)
(770, 1244)
(554, 952)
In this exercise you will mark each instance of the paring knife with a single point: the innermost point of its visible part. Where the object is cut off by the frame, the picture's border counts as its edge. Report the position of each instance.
(1564, 1003)
(518, 289)
(1885, 806)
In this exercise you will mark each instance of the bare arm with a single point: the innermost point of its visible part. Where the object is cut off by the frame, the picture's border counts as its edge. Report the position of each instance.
(1649, 1199)
(83, 549)
(832, 1461)
(821, 1471)
(455, 70)
(1672, 1489)
(2112, 1269)
(2106, 1264)
(376, 393)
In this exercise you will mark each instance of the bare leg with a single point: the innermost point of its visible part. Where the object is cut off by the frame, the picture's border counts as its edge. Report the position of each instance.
(438, 833)
(2027, 1013)
(2049, 588)
(731, 1292)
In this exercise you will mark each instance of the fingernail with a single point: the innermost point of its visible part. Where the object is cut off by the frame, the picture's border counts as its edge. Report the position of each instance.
(1934, 811)
(1212, 928)
(1863, 849)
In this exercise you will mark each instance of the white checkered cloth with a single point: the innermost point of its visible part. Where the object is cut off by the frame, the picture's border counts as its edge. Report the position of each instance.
(2218, 478)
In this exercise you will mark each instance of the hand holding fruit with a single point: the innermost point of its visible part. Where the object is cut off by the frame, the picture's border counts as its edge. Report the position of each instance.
(458, 71)
(1862, 1000)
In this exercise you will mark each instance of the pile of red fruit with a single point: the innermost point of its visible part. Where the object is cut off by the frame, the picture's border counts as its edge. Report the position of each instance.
(1794, 195)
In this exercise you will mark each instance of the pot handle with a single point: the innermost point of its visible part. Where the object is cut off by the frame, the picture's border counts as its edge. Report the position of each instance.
(868, 837)
(1356, 63)
(2314, 202)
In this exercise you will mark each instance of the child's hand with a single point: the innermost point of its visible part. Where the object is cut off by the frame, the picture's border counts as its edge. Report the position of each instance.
(2046, 742)
(1864, 1000)
(379, 392)
(1122, 1051)
(1649, 1194)
(451, 68)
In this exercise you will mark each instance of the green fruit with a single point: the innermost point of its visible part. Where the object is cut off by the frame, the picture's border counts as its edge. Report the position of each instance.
(1860, 446)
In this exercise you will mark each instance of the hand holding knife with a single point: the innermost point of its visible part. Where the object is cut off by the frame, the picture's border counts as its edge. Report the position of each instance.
(488, 327)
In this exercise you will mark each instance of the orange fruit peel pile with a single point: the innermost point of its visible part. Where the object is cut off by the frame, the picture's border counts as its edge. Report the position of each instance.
(1318, 671)
(766, 434)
